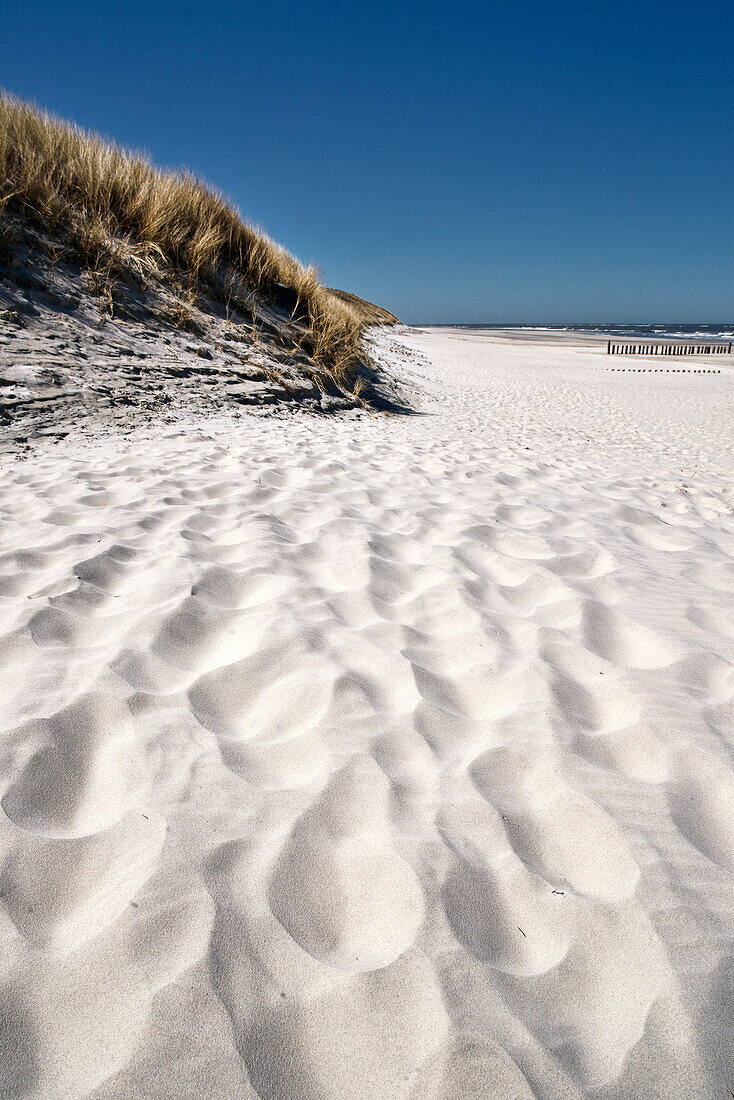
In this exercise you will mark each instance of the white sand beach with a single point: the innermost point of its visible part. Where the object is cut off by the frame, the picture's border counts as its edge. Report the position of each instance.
(376, 757)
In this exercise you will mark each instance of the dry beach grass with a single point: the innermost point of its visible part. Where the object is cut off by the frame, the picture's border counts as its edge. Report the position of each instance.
(117, 216)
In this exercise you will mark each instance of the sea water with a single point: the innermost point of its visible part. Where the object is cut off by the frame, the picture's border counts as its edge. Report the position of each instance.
(627, 331)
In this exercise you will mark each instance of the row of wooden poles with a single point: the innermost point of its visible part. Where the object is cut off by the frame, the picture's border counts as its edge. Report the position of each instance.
(668, 349)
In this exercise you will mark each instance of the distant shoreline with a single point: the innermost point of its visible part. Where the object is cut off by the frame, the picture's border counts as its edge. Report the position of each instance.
(591, 334)
(723, 330)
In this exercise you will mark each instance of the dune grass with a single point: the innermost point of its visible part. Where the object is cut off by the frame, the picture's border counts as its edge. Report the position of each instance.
(368, 312)
(115, 214)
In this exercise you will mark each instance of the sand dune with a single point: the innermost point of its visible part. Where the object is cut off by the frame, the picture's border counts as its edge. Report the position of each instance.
(376, 757)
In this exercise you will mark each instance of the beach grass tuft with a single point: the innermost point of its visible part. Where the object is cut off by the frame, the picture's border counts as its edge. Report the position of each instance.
(117, 216)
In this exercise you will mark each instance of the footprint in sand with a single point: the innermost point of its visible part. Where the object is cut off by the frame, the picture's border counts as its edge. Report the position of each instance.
(514, 544)
(564, 836)
(501, 912)
(713, 620)
(479, 693)
(206, 1057)
(617, 638)
(280, 691)
(701, 798)
(19, 584)
(360, 1038)
(707, 674)
(60, 893)
(440, 612)
(409, 764)
(68, 1024)
(233, 589)
(398, 583)
(384, 679)
(339, 888)
(650, 531)
(110, 571)
(57, 628)
(595, 1005)
(265, 711)
(85, 774)
(536, 592)
(473, 1069)
(196, 637)
(491, 565)
(605, 704)
(460, 703)
(607, 716)
(634, 751)
(583, 564)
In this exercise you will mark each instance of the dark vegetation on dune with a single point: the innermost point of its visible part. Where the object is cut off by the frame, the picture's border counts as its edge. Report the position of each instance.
(145, 242)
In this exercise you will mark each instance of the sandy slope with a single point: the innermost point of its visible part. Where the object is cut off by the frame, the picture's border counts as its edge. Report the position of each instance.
(376, 757)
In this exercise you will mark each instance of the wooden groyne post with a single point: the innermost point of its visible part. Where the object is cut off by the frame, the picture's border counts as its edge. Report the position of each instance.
(677, 348)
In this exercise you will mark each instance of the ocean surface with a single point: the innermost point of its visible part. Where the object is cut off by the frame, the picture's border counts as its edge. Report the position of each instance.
(631, 331)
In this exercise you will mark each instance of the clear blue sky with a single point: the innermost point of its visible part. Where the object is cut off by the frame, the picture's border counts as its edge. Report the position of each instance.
(456, 162)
